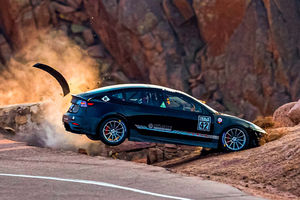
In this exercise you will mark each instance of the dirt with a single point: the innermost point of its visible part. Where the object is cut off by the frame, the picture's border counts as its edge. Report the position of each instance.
(271, 170)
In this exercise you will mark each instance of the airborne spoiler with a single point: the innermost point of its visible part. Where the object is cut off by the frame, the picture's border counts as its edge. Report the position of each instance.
(58, 76)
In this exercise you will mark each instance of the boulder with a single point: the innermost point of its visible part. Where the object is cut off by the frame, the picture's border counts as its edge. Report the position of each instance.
(62, 8)
(77, 28)
(21, 119)
(294, 113)
(96, 51)
(185, 8)
(5, 49)
(280, 116)
(120, 77)
(74, 3)
(152, 156)
(88, 36)
(42, 14)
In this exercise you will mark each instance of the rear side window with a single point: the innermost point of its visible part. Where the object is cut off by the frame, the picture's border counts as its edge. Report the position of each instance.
(118, 95)
(143, 97)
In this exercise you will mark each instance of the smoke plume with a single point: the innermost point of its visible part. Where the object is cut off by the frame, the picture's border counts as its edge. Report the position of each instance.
(21, 83)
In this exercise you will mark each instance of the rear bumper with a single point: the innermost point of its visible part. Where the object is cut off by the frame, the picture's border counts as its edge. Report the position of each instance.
(73, 123)
(79, 124)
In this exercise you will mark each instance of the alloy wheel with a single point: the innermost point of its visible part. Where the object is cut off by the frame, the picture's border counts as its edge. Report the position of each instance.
(234, 139)
(114, 131)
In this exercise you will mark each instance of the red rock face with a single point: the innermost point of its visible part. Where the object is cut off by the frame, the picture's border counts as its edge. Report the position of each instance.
(240, 56)
(141, 40)
(20, 19)
(218, 20)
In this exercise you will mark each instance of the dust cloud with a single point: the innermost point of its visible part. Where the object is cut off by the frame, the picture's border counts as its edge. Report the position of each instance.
(21, 83)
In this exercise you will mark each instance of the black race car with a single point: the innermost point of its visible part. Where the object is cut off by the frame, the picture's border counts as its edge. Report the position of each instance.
(142, 112)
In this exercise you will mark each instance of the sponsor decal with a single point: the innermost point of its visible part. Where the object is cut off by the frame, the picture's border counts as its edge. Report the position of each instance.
(163, 105)
(160, 127)
(219, 120)
(143, 127)
(168, 101)
(105, 98)
(204, 123)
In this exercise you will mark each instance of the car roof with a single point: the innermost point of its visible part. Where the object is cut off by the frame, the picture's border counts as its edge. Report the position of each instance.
(124, 86)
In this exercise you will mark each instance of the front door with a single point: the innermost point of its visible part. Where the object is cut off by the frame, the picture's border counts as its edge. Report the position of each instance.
(189, 121)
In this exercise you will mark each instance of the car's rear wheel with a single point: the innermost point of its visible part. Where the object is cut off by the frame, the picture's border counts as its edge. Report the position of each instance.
(235, 139)
(113, 131)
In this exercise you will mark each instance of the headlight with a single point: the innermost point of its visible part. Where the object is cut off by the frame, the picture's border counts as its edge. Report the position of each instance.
(257, 128)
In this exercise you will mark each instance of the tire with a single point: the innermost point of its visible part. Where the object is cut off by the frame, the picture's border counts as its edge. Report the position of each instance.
(113, 131)
(254, 141)
(235, 139)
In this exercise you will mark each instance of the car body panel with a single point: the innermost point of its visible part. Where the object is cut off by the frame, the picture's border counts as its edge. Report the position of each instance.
(198, 126)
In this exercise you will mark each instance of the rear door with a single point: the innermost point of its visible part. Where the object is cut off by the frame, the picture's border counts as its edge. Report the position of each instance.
(141, 108)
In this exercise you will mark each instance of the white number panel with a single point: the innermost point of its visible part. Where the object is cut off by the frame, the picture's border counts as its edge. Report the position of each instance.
(204, 123)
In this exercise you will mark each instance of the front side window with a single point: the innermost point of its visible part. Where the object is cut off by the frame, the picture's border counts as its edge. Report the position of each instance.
(179, 102)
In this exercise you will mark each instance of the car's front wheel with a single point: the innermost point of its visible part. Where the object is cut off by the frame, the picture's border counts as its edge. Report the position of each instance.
(113, 131)
(235, 139)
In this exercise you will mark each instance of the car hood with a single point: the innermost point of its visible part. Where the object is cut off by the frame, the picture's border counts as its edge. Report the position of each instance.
(242, 121)
(232, 117)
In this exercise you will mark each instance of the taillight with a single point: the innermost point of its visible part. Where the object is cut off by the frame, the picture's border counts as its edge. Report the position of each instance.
(84, 104)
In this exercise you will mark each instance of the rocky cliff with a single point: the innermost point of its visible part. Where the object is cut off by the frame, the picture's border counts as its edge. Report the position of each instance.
(241, 56)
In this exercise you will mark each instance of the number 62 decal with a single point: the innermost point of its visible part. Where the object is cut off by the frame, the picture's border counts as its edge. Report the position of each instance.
(204, 123)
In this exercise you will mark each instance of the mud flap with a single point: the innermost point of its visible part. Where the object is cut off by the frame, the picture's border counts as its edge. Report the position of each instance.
(58, 76)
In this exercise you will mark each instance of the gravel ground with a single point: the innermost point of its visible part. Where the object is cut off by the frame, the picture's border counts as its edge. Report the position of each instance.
(271, 170)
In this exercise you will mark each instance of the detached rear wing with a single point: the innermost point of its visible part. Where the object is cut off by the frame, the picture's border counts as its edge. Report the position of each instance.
(58, 76)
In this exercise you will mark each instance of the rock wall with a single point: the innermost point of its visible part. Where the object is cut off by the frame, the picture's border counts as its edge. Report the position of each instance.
(241, 56)
(21, 118)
